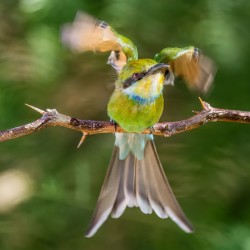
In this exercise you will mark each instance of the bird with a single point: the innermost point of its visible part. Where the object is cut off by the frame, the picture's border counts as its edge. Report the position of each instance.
(135, 176)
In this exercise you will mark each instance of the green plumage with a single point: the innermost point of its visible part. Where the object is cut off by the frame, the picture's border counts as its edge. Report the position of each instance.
(169, 54)
(140, 104)
(133, 116)
(128, 47)
(135, 176)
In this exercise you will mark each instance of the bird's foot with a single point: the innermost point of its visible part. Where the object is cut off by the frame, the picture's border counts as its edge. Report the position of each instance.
(114, 124)
(151, 130)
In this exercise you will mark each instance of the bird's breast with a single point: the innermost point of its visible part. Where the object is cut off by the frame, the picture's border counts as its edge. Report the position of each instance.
(134, 115)
(147, 89)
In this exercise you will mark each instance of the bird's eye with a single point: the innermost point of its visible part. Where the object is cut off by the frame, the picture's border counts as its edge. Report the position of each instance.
(137, 76)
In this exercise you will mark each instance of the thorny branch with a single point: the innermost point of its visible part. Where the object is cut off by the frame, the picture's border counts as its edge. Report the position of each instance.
(51, 117)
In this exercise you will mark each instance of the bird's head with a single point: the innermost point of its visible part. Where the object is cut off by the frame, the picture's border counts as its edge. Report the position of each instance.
(142, 78)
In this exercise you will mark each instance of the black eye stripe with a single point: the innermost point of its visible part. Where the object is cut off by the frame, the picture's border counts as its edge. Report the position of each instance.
(129, 81)
(132, 79)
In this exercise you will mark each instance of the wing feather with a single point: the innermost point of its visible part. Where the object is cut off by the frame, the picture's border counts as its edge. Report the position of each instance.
(196, 69)
(88, 34)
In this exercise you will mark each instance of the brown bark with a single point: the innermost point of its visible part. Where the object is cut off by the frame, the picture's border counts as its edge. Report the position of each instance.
(51, 117)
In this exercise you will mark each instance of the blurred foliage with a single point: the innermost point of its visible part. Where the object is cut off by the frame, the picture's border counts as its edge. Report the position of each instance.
(208, 168)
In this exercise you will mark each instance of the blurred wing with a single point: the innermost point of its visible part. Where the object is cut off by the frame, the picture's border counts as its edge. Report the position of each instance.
(196, 69)
(88, 34)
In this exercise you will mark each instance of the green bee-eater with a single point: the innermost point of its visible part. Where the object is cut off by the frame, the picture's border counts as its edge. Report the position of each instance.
(135, 176)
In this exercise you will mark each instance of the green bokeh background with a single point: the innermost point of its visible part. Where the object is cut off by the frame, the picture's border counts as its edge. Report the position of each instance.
(208, 168)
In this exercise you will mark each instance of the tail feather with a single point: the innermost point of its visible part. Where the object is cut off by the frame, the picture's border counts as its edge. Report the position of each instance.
(129, 180)
(108, 194)
(160, 191)
(120, 202)
(126, 195)
(142, 189)
(141, 183)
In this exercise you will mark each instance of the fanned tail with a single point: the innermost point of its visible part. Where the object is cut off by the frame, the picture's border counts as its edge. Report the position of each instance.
(141, 183)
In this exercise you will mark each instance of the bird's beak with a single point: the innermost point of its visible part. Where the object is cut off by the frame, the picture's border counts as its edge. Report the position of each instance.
(157, 67)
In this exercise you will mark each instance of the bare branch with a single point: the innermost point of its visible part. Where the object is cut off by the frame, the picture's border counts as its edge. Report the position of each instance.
(51, 117)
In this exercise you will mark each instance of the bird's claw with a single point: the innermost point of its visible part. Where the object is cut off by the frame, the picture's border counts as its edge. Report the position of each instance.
(151, 129)
(114, 124)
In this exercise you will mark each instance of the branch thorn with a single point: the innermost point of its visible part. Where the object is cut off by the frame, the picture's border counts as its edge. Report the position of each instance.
(36, 109)
(203, 104)
(84, 135)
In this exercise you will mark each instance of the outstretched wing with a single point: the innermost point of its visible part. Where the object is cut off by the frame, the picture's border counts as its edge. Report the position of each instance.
(88, 34)
(196, 69)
